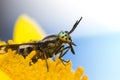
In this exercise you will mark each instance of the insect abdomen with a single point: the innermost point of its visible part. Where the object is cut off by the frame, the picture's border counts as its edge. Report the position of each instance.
(24, 50)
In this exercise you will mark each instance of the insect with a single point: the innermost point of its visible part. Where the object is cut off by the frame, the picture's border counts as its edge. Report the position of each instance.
(47, 47)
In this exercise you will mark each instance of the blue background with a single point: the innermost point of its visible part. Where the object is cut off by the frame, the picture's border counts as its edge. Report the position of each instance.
(97, 36)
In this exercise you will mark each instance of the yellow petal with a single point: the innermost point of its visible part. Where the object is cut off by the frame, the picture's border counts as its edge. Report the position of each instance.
(10, 42)
(3, 76)
(85, 77)
(26, 30)
(18, 68)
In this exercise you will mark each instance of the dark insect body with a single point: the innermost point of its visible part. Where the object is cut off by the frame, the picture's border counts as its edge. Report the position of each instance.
(47, 47)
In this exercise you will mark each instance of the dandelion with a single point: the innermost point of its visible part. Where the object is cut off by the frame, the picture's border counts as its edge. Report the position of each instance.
(15, 67)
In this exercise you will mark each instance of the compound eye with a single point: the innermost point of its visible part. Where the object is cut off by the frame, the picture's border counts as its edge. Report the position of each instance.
(66, 39)
(62, 32)
(69, 38)
(62, 36)
(66, 31)
(65, 34)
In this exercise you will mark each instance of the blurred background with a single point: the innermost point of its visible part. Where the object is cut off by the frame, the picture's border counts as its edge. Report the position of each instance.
(97, 36)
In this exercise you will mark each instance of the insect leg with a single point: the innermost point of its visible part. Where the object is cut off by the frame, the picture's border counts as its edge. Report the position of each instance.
(59, 49)
(35, 58)
(46, 60)
(56, 52)
(42, 55)
(62, 54)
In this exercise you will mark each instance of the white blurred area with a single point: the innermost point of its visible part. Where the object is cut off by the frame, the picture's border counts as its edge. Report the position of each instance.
(99, 16)
(106, 12)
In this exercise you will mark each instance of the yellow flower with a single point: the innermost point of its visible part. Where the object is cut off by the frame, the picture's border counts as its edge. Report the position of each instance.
(14, 67)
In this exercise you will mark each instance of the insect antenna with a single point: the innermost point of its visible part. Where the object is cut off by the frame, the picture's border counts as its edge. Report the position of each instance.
(75, 25)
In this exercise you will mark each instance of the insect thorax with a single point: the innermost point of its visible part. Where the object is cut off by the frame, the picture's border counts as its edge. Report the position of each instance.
(52, 44)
